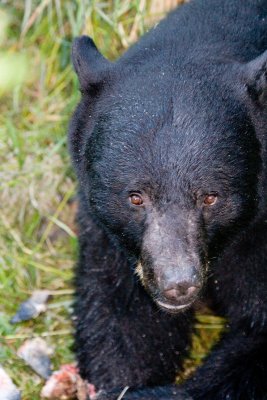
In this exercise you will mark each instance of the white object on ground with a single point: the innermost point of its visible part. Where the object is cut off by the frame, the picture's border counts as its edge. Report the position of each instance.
(8, 390)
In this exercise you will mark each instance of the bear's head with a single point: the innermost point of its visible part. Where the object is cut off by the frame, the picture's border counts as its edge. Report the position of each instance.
(169, 160)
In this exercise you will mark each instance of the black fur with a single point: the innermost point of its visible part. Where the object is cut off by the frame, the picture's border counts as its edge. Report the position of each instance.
(181, 115)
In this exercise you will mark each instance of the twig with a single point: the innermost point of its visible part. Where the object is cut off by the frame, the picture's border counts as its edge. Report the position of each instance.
(123, 392)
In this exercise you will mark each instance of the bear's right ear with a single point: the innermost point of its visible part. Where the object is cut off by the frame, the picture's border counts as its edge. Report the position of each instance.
(256, 78)
(89, 64)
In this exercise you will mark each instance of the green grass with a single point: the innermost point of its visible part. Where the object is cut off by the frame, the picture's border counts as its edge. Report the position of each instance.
(38, 93)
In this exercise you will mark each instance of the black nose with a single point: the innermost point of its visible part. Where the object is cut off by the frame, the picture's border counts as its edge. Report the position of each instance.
(180, 291)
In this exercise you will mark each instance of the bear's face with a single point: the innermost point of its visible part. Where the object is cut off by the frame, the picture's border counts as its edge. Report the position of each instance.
(173, 189)
(171, 171)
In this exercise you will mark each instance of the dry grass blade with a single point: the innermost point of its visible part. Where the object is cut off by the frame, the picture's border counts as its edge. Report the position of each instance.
(30, 21)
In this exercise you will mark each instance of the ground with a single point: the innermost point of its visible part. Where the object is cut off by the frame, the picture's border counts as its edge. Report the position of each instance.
(37, 203)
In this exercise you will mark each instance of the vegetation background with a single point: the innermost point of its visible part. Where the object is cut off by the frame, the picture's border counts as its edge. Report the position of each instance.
(38, 92)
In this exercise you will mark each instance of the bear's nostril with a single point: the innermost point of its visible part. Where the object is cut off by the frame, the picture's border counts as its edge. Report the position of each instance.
(171, 294)
(191, 290)
(180, 290)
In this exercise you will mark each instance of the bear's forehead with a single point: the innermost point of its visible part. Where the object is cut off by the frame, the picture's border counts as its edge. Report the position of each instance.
(144, 104)
(173, 128)
(173, 154)
(185, 128)
(172, 143)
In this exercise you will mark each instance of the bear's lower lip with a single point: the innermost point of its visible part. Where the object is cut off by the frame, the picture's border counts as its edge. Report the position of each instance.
(172, 307)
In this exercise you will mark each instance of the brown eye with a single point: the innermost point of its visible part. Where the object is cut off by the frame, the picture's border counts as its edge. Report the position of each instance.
(136, 199)
(210, 199)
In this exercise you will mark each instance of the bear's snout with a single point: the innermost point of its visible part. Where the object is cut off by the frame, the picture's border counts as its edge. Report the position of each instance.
(177, 288)
(173, 287)
(172, 265)
(180, 291)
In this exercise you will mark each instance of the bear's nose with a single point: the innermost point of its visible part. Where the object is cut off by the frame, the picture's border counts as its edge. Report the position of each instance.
(175, 292)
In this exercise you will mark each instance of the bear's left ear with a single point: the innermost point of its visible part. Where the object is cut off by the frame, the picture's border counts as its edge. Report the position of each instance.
(256, 78)
(91, 67)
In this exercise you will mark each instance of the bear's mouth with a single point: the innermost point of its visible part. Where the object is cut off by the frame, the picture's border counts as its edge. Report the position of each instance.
(171, 308)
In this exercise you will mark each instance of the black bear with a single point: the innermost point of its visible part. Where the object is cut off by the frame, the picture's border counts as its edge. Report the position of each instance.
(169, 146)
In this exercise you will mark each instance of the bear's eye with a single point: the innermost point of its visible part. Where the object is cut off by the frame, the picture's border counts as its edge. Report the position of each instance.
(136, 199)
(210, 199)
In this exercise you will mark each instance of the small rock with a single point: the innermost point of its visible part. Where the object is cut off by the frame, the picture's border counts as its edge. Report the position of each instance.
(32, 307)
(36, 353)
